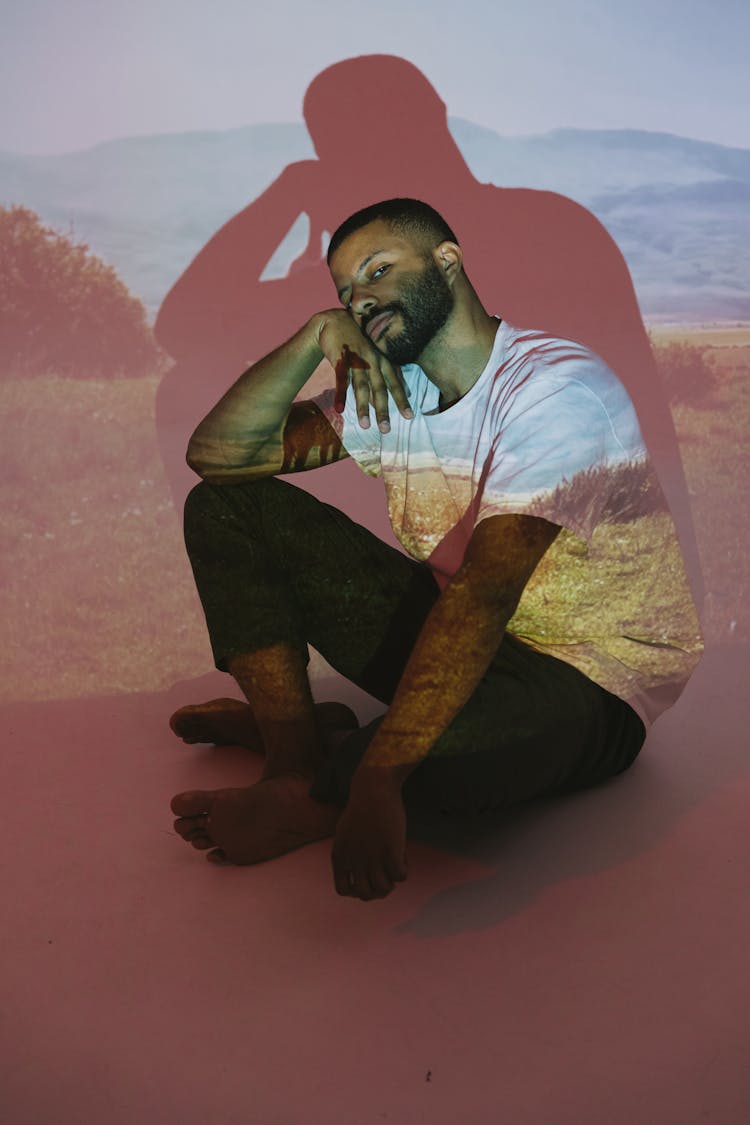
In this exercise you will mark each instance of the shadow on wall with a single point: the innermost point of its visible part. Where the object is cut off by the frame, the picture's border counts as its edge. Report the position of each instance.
(537, 259)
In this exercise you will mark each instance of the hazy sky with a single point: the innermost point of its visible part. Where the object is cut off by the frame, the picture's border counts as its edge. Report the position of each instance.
(76, 72)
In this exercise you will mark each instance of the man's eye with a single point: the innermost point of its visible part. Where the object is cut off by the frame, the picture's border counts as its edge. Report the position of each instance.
(379, 270)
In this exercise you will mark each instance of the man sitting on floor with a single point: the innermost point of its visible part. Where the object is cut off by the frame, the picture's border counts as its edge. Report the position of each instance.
(542, 618)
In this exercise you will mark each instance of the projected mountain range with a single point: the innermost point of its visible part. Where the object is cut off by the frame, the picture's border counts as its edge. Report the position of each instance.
(679, 209)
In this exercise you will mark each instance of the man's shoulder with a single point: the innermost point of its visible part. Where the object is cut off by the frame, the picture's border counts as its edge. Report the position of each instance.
(559, 378)
(532, 351)
(542, 346)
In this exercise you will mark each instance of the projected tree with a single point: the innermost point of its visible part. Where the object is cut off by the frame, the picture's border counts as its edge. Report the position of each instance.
(688, 377)
(63, 310)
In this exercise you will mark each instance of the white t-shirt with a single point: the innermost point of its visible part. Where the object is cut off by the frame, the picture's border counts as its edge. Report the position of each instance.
(546, 430)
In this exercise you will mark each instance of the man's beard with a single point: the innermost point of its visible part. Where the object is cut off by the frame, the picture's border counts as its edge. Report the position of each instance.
(425, 305)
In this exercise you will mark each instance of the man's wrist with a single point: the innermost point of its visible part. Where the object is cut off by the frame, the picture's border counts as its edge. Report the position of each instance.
(318, 322)
(311, 331)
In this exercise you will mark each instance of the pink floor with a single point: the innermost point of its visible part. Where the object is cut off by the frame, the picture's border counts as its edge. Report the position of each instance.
(581, 961)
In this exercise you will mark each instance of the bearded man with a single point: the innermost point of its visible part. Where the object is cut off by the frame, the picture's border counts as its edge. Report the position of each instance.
(541, 619)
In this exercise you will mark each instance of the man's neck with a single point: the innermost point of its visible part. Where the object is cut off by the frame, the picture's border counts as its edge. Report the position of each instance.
(456, 357)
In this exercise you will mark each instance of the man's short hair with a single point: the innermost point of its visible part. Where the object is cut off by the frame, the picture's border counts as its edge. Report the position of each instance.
(410, 217)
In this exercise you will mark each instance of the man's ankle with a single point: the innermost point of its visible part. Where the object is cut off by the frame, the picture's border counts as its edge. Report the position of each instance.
(291, 762)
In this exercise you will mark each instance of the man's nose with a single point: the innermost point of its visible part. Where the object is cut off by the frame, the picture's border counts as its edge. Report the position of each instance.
(363, 301)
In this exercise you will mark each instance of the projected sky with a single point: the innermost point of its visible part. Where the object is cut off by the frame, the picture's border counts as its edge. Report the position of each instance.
(75, 74)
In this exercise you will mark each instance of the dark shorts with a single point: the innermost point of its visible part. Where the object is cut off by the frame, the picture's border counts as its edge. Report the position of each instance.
(274, 565)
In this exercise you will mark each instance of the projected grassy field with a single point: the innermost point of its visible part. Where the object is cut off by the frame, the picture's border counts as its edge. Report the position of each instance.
(97, 595)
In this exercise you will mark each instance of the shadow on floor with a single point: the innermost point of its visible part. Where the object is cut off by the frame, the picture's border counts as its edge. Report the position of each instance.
(693, 751)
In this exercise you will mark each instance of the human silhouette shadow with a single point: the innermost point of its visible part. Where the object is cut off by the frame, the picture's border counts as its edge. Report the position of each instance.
(536, 258)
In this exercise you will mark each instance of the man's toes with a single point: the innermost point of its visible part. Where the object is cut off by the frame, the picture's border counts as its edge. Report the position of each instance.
(189, 827)
(202, 842)
(197, 722)
(195, 802)
(219, 857)
(181, 720)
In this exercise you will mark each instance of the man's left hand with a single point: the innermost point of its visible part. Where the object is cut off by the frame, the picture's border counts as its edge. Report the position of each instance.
(369, 849)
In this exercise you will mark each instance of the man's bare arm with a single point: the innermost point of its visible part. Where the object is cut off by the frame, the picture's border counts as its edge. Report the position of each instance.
(459, 638)
(256, 430)
(241, 438)
(453, 651)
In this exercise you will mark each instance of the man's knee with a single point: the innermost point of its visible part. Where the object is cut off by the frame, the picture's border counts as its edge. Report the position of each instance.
(216, 517)
(201, 505)
(210, 513)
(219, 501)
(197, 497)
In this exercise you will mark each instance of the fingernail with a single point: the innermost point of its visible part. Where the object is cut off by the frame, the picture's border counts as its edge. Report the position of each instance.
(385, 427)
(408, 413)
(364, 421)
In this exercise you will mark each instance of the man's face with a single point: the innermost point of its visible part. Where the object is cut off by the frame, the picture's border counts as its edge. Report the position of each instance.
(397, 294)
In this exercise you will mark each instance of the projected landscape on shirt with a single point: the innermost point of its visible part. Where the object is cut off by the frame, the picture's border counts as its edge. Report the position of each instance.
(547, 430)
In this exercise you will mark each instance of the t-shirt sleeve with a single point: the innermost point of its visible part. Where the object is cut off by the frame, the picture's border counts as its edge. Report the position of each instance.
(362, 445)
(566, 451)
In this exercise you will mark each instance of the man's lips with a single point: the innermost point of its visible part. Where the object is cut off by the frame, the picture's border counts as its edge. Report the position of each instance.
(375, 327)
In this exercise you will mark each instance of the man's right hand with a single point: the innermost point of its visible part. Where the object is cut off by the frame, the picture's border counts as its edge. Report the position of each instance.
(355, 358)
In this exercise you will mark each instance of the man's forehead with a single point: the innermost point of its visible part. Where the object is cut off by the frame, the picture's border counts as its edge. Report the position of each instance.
(361, 245)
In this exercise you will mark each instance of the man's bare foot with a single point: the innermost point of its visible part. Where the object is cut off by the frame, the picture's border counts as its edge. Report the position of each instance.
(230, 722)
(224, 722)
(253, 824)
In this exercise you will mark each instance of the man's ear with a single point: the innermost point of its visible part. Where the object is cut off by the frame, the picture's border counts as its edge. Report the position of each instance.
(449, 260)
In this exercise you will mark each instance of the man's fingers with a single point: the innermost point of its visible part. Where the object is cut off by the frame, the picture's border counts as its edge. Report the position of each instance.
(367, 883)
(379, 394)
(342, 386)
(398, 389)
(361, 385)
(361, 886)
(389, 379)
(380, 882)
(372, 377)
(370, 389)
(345, 366)
(342, 877)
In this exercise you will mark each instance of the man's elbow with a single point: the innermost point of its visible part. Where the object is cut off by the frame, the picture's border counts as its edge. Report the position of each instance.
(214, 473)
(199, 457)
(197, 465)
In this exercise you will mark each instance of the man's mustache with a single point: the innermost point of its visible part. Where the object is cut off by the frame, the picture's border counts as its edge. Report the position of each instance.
(396, 306)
